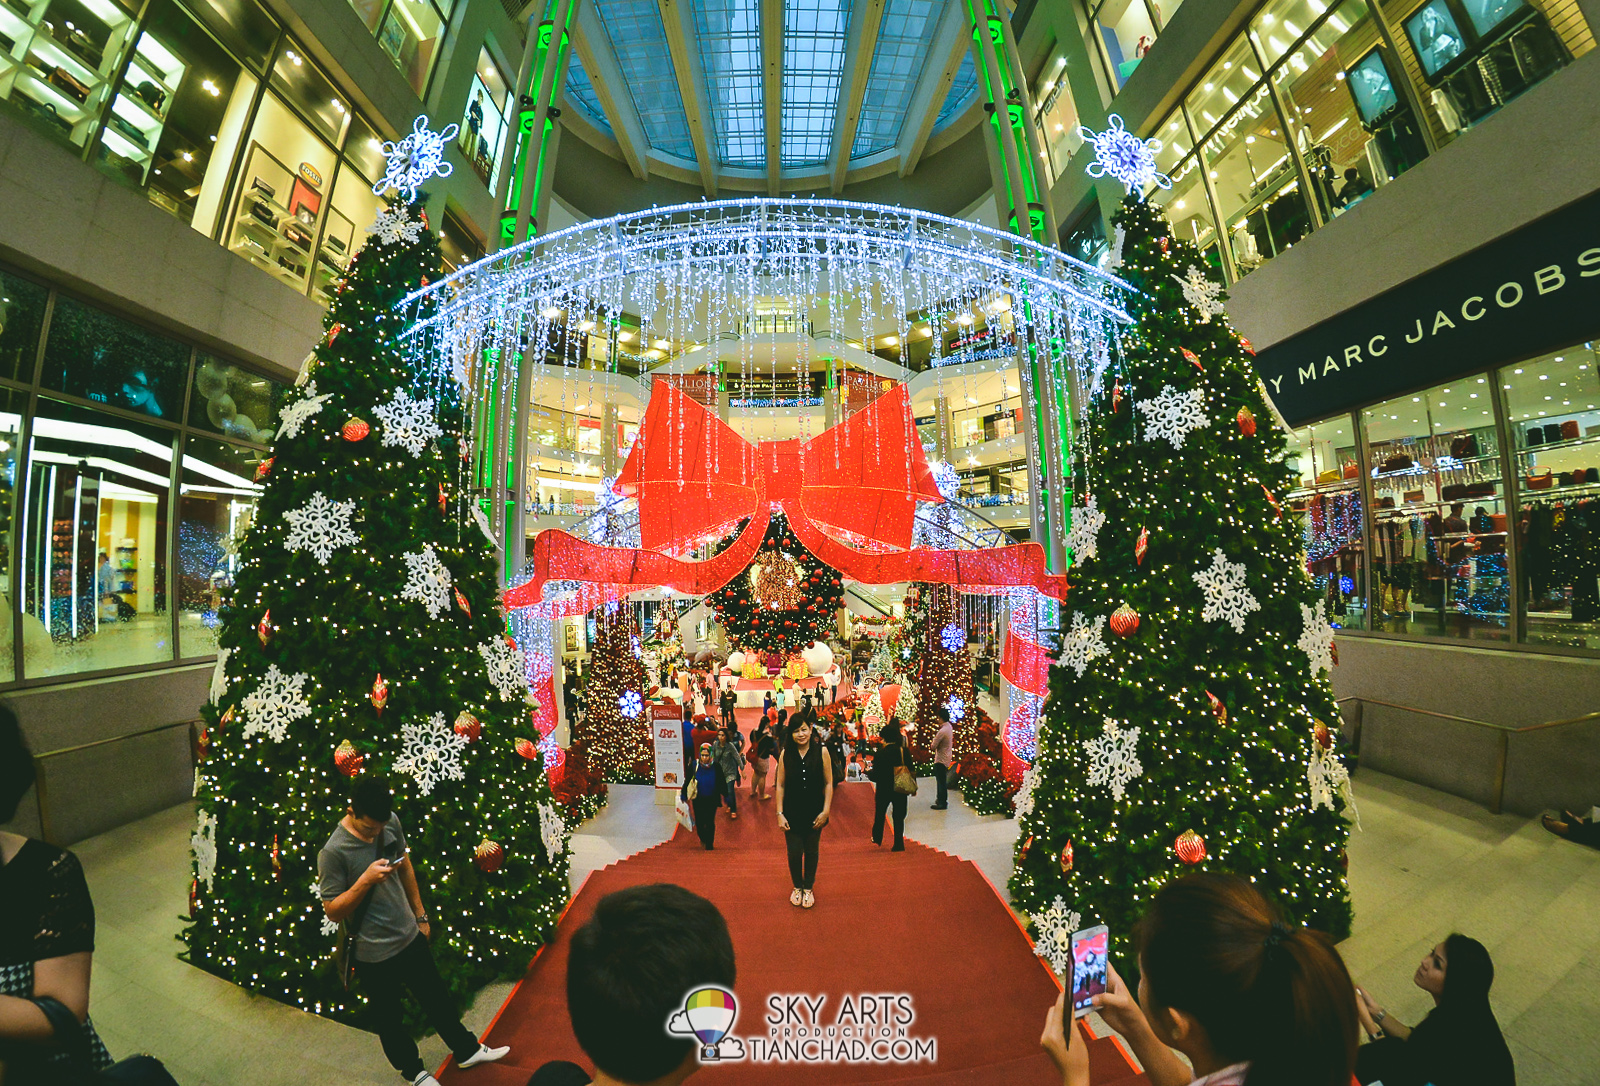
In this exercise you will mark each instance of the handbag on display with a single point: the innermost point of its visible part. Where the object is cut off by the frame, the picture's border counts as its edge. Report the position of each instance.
(1552, 432)
(259, 187)
(1479, 490)
(1536, 435)
(1329, 476)
(1591, 475)
(1386, 502)
(79, 1069)
(1352, 470)
(67, 83)
(1564, 479)
(1412, 497)
(262, 213)
(1398, 462)
(1569, 430)
(1542, 481)
(152, 95)
(1453, 492)
(1497, 522)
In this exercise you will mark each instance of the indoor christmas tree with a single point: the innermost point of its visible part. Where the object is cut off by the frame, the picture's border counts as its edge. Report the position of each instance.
(614, 735)
(1188, 721)
(363, 635)
(784, 601)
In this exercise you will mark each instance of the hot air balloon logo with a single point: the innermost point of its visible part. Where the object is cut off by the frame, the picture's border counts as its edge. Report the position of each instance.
(708, 1014)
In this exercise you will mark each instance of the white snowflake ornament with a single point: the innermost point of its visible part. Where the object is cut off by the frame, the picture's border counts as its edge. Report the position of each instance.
(203, 843)
(1084, 643)
(292, 418)
(1084, 538)
(328, 926)
(1114, 758)
(279, 701)
(219, 676)
(1327, 775)
(1053, 942)
(552, 831)
(506, 667)
(415, 159)
(430, 753)
(1120, 154)
(428, 581)
(1023, 801)
(320, 526)
(393, 224)
(1316, 638)
(1173, 415)
(1227, 597)
(1114, 257)
(1202, 293)
(481, 519)
(408, 423)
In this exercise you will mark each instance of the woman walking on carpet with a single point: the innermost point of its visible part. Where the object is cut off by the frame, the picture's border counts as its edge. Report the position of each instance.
(763, 746)
(890, 756)
(728, 756)
(805, 795)
(704, 790)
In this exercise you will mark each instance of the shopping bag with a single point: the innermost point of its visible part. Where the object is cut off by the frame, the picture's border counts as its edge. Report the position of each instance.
(685, 814)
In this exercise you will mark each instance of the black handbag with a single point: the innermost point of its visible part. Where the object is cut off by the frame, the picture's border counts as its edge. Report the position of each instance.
(79, 1069)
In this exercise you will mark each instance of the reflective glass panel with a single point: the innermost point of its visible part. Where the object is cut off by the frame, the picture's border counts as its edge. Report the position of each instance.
(364, 149)
(483, 126)
(903, 41)
(1439, 513)
(97, 356)
(1327, 501)
(963, 91)
(1553, 407)
(93, 543)
(1058, 116)
(352, 210)
(640, 42)
(1258, 190)
(411, 34)
(242, 25)
(216, 505)
(12, 405)
(282, 198)
(234, 401)
(1185, 202)
(1127, 33)
(310, 94)
(730, 55)
(21, 317)
(813, 61)
(57, 60)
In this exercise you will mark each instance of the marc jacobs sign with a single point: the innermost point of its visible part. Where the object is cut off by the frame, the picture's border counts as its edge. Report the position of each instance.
(1530, 292)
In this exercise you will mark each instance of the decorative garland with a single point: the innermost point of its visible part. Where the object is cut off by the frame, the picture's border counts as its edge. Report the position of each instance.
(783, 601)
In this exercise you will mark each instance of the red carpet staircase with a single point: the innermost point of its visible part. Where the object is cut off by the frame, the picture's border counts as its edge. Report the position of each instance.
(919, 922)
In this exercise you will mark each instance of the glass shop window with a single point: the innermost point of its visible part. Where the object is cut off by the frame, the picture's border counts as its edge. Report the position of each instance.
(12, 405)
(217, 496)
(1439, 526)
(353, 209)
(22, 306)
(1353, 127)
(1553, 408)
(58, 58)
(1185, 202)
(1126, 32)
(233, 401)
(1056, 116)
(282, 197)
(100, 357)
(488, 115)
(411, 33)
(92, 569)
(1327, 501)
(459, 244)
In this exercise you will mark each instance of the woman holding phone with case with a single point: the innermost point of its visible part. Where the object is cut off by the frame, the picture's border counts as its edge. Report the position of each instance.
(1250, 1000)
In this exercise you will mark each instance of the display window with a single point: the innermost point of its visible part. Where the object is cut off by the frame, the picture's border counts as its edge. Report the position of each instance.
(311, 95)
(487, 117)
(459, 244)
(97, 356)
(233, 401)
(92, 543)
(243, 27)
(216, 506)
(344, 230)
(12, 405)
(22, 306)
(1553, 412)
(1185, 202)
(410, 33)
(1126, 29)
(282, 194)
(58, 58)
(1328, 502)
(1057, 116)
(1439, 513)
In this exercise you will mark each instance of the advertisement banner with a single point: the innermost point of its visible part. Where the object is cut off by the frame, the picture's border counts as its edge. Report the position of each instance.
(667, 729)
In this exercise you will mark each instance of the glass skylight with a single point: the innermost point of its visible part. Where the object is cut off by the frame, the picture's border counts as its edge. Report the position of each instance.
(962, 92)
(581, 90)
(904, 39)
(640, 43)
(730, 57)
(813, 68)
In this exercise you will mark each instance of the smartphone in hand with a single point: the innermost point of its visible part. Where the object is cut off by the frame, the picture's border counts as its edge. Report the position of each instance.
(1090, 962)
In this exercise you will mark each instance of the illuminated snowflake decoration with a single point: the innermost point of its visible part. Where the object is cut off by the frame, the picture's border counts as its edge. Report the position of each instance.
(1084, 538)
(431, 752)
(415, 159)
(1326, 774)
(956, 708)
(1173, 415)
(1121, 155)
(203, 843)
(631, 704)
(219, 676)
(1114, 257)
(279, 701)
(393, 225)
(1227, 598)
(481, 518)
(506, 667)
(1023, 801)
(552, 831)
(953, 637)
(328, 926)
(1316, 639)
(947, 480)
(1053, 942)
(1114, 758)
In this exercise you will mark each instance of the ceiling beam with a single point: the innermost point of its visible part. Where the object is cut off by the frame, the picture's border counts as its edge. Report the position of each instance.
(858, 54)
(593, 46)
(951, 40)
(772, 89)
(678, 21)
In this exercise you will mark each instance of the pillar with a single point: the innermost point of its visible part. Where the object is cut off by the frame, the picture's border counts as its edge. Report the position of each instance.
(527, 201)
(941, 419)
(610, 463)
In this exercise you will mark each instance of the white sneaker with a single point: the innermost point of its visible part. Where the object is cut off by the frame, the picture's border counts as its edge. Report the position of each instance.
(485, 1054)
(424, 1079)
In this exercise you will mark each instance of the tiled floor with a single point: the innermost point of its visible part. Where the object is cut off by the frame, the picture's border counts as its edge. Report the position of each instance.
(1424, 864)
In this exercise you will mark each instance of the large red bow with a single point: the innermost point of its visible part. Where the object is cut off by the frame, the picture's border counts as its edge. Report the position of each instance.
(692, 473)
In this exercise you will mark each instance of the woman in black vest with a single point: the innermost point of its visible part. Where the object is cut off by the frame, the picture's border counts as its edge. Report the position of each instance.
(890, 756)
(805, 794)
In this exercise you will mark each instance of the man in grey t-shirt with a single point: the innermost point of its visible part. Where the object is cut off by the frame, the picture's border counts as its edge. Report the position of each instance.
(367, 879)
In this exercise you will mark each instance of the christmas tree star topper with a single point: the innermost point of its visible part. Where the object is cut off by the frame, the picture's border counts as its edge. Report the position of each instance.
(1120, 154)
(415, 159)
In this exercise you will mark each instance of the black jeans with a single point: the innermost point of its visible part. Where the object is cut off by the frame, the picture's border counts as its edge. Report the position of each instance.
(885, 800)
(705, 819)
(804, 845)
(412, 968)
(941, 777)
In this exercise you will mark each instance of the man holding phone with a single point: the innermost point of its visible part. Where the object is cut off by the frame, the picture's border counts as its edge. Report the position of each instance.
(367, 879)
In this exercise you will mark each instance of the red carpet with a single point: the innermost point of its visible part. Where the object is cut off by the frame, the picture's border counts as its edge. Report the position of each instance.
(976, 985)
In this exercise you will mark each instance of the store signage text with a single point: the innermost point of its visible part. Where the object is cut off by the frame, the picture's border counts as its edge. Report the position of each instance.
(1533, 291)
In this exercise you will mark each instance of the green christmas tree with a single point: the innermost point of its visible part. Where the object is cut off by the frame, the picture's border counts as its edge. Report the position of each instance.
(364, 635)
(1187, 723)
(614, 735)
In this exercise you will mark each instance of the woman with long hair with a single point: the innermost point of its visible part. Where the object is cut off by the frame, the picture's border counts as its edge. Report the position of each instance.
(889, 757)
(805, 795)
(763, 746)
(1249, 999)
(1457, 1044)
(728, 756)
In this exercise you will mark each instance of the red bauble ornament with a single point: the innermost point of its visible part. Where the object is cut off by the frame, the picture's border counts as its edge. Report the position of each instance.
(1116, 396)
(1141, 545)
(355, 430)
(1333, 652)
(202, 744)
(1323, 736)
(488, 856)
(1066, 858)
(1124, 621)
(1245, 343)
(1192, 358)
(1190, 847)
(424, 280)
(333, 333)
(380, 693)
(1164, 244)
(226, 718)
(1246, 420)
(442, 499)
(1218, 710)
(461, 602)
(467, 726)
(1022, 853)
(264, 628)
(194, 896)
(264, 467)
(511, 641)
(348, 759)
(528, 749)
